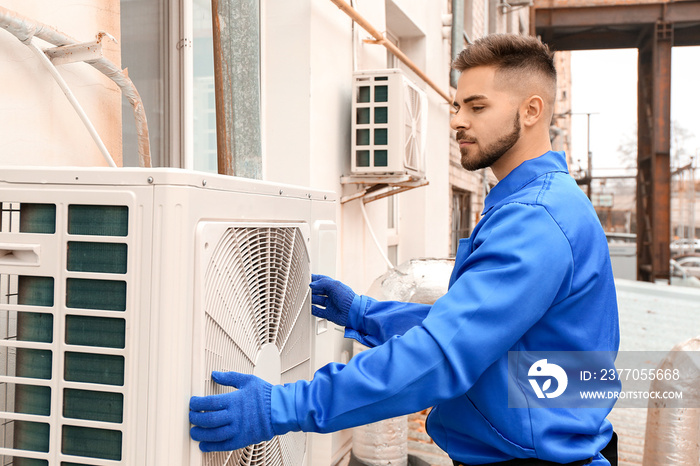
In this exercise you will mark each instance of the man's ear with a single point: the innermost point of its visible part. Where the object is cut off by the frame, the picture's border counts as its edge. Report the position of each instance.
(532, 110)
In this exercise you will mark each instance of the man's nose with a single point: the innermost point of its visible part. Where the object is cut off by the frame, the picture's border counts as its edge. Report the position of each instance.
(459, 122)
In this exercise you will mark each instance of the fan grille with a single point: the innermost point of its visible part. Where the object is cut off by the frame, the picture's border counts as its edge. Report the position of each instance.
(257, 294)
(413, 140)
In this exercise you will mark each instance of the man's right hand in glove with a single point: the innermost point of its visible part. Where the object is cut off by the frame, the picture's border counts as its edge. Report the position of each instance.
(331, 299)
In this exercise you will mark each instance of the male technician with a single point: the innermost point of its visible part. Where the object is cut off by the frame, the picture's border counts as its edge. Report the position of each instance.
(535, 275)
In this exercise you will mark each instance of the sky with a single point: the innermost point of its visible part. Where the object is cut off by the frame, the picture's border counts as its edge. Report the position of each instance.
(604, 83)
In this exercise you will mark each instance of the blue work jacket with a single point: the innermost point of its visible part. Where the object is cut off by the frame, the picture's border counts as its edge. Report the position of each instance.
(535, 275)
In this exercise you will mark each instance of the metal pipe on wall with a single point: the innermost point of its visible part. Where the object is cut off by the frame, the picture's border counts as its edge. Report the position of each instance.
(381, 40)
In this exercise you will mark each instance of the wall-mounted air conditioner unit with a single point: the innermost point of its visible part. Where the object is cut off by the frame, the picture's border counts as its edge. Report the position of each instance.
(388, 124)
(122, 289)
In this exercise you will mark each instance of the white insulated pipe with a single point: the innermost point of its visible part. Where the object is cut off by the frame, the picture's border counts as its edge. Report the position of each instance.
(374, 237)
(24, 29)
(73, 101)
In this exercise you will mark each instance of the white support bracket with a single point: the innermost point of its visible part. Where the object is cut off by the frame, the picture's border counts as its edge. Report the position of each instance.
(377, 187)
(85, 51)
(51, 68)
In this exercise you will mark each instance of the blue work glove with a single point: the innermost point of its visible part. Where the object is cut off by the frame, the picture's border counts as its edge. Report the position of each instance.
(331, 299)
(232, 420)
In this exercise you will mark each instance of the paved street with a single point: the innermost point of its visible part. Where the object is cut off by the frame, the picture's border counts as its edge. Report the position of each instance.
(652, 318)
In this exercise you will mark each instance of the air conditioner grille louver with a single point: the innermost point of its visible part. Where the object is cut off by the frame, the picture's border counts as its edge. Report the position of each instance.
(257, 295)
(414, 136)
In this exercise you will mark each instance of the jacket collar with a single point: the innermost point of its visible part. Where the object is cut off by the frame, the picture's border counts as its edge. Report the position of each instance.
(523, 174)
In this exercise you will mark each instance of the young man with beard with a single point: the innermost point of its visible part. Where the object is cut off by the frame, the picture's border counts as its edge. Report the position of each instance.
(535, 275)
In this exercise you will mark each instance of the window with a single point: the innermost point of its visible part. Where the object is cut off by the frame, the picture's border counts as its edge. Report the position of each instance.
(144, 30)
(406, 35)
(391, 60)
(168, 47)
(461, 214)
(392, 225)
(392, 214)
(204, 104)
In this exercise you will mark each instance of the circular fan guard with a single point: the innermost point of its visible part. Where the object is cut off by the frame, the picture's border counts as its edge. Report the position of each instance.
(257, 295)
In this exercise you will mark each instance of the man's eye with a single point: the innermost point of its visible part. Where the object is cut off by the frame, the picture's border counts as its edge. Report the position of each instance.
(477, 108)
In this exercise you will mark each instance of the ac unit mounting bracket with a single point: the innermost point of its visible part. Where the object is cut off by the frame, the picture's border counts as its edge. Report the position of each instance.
(375, 187)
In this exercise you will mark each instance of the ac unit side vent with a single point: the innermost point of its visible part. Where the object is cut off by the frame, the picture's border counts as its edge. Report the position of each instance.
(75, 322)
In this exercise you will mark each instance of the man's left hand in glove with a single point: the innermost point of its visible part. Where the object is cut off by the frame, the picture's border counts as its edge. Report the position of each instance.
(233, 420)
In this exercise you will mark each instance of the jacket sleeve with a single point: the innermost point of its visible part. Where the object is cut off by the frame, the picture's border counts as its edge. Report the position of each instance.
(373, 322)
(521, 265)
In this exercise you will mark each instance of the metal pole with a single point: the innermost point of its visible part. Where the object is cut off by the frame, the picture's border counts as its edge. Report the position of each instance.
(590, 158)
(589, 154)
(457, 36)
(692, 201)
(236, 31)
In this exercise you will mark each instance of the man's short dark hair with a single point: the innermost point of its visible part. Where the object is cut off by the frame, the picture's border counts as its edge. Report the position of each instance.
(513, 53)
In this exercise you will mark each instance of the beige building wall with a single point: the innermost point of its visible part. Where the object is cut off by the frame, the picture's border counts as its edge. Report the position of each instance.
(561, 131)
(38, 126)
(475, 22)
(685, 206)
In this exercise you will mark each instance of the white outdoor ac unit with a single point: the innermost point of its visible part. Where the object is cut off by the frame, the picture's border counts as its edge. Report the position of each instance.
(122, 289)
(388, 124)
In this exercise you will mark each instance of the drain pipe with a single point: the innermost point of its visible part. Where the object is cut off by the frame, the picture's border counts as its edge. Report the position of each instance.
(73, 101)
(457, 36)
(673, 432)
(25, 29)
(374, 237)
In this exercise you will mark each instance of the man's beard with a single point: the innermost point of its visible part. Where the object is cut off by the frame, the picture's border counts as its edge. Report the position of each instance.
(489, 155)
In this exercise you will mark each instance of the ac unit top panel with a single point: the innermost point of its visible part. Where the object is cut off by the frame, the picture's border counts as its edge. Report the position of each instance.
(104, 176)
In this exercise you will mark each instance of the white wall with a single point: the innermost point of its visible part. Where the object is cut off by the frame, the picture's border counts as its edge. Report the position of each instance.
(306, 70)
(423, 212)
(37, 124)
(436, 225)
(309, 53)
